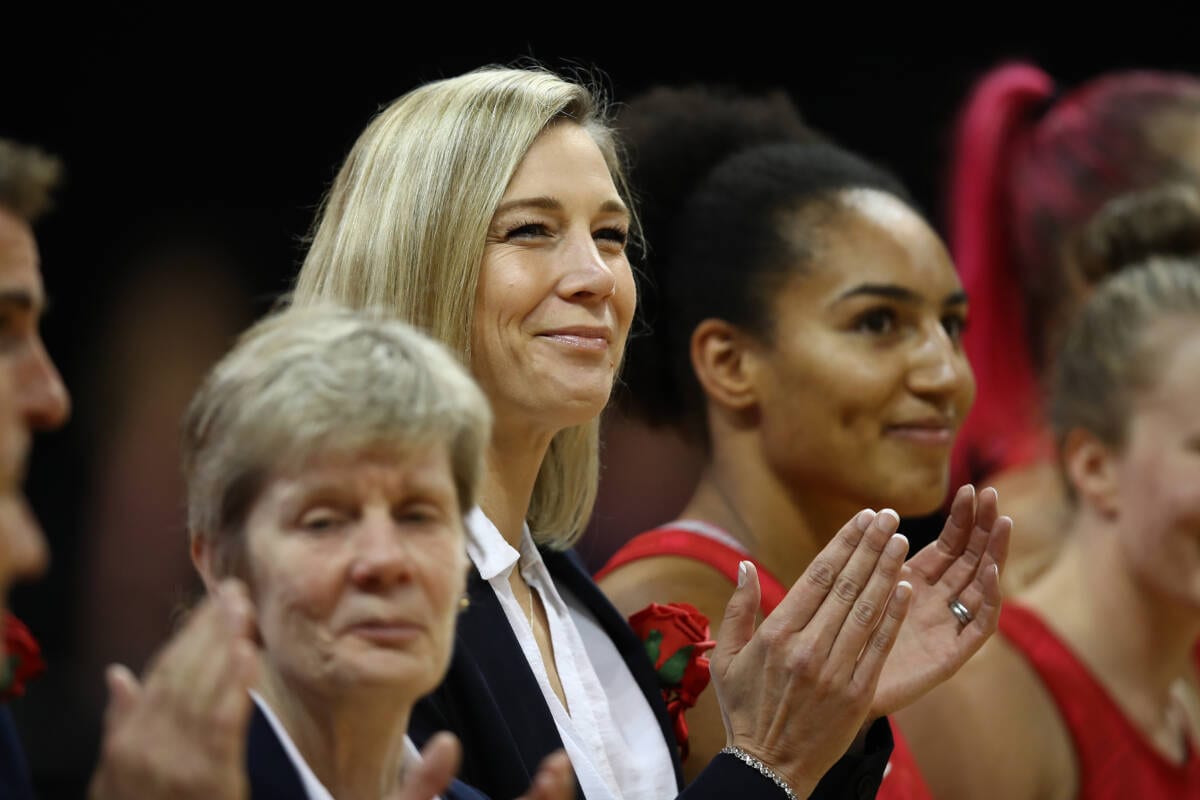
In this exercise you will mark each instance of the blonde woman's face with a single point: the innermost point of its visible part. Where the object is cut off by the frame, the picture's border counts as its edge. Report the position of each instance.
(556, 295)
(356, 566)
(1158, 472)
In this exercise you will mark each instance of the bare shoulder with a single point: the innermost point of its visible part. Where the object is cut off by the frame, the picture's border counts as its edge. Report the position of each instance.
(991, 731)
(669, 579)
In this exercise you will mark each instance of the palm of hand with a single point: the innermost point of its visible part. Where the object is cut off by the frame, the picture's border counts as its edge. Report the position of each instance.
(963, 563)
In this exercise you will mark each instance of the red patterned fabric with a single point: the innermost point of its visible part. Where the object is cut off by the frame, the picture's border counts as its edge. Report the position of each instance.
(902, 779)
(1115, 760)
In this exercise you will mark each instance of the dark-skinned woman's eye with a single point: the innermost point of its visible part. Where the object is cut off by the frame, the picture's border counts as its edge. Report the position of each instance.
(955, 325)
(877, 321)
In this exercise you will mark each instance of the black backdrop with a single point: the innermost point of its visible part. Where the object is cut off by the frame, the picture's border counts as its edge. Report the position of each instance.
(228, 129)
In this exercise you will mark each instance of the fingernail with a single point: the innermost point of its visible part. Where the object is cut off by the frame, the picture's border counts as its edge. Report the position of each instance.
(897, 545)
(889, 520)
(743, 573)
(864, 519)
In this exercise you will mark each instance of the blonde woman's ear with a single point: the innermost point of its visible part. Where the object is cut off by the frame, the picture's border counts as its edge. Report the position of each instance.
(1091, 468)
(204, 560)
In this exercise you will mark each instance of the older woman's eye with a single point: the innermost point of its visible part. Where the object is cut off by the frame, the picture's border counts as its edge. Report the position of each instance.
(322, 519)
(877, 321)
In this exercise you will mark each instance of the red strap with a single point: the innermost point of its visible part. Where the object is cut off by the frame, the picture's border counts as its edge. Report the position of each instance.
(668, 541)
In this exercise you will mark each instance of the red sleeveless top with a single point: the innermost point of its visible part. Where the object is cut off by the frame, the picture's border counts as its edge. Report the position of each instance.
(1115, 760)
(901, 778)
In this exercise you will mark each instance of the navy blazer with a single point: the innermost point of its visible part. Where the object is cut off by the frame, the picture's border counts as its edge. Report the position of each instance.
(274, 777)
(15, 783)
(490, 699)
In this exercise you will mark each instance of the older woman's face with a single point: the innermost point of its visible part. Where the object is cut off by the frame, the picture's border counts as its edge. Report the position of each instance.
(865, 382)
(556, 294)
(356, 565)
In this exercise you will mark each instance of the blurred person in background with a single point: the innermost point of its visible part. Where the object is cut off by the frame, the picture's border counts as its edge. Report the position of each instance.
(1089, 690)
(1032, 164)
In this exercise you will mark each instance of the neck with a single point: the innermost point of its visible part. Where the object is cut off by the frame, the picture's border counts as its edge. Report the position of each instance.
(355, 746)
(513, 459)
(1137, 642)
(782, 529)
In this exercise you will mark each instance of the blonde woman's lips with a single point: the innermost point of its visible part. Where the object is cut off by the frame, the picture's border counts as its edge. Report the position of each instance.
(583, 338)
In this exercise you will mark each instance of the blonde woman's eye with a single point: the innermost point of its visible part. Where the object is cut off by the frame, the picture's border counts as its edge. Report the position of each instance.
(615, 235)
(527, 230)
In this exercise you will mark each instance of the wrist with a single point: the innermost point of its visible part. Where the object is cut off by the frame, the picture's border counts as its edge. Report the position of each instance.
(791, 787)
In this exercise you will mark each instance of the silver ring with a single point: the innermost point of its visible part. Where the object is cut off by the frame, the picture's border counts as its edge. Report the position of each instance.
(960, 612)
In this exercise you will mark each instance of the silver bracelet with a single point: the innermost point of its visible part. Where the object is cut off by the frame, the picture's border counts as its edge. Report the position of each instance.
(767, 772)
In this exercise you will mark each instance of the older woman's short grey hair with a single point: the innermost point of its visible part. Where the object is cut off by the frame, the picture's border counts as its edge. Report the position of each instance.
(320, 381)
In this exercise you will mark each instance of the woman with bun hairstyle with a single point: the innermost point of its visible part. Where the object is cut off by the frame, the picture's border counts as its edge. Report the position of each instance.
(804, 329)
(1031, 167)
(1088, 691)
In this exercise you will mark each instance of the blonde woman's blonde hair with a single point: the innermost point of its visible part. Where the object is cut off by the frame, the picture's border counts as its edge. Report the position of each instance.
(404, 227)
(1107, 359)
(318, 381)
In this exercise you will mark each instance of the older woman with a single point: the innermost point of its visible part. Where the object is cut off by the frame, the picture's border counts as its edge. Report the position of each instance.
(1090, 687)
(816, 357)
(490, 210)
(330, 461)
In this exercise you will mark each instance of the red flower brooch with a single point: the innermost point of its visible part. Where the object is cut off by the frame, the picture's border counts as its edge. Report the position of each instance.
(22, 659)
(676, 639)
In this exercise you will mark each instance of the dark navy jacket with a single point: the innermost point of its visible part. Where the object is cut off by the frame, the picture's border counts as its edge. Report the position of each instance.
(490, 699)
(273, 776)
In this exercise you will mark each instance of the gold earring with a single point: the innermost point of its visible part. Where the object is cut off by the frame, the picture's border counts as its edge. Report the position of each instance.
(464, 602)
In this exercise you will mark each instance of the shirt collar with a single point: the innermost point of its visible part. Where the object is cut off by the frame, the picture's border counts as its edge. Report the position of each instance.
(491, 554)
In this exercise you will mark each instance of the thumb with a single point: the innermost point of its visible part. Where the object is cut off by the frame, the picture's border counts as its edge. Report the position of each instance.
(740, 613)
(123, 692)
(439, 764)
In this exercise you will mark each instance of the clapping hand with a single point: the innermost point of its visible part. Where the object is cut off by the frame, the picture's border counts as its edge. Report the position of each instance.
(962, 566)
(181, 732)
(795, 693)
(440, 758)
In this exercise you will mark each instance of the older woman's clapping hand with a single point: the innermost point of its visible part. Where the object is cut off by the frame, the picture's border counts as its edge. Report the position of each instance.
(796, 692)
(440, 758)
(182, 732)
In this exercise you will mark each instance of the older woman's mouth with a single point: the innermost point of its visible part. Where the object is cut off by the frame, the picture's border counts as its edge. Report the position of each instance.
(386, 632)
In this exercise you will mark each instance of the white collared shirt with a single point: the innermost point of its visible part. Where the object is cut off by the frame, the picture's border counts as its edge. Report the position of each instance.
(313, 788)
(611, 734)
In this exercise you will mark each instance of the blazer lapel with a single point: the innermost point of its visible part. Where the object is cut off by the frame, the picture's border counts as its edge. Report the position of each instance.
(567, 569)
(272, 774)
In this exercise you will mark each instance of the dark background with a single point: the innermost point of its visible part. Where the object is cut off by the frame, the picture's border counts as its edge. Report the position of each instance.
(203, 145)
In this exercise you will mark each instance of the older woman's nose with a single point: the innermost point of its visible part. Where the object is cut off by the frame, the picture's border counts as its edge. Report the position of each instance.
(381, 555)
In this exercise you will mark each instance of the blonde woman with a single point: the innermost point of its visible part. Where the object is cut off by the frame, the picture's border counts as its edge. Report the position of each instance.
(1090, 686)
(491, 211)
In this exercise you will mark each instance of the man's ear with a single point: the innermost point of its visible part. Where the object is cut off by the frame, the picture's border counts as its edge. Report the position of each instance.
(723, 358)
(1091, 468)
